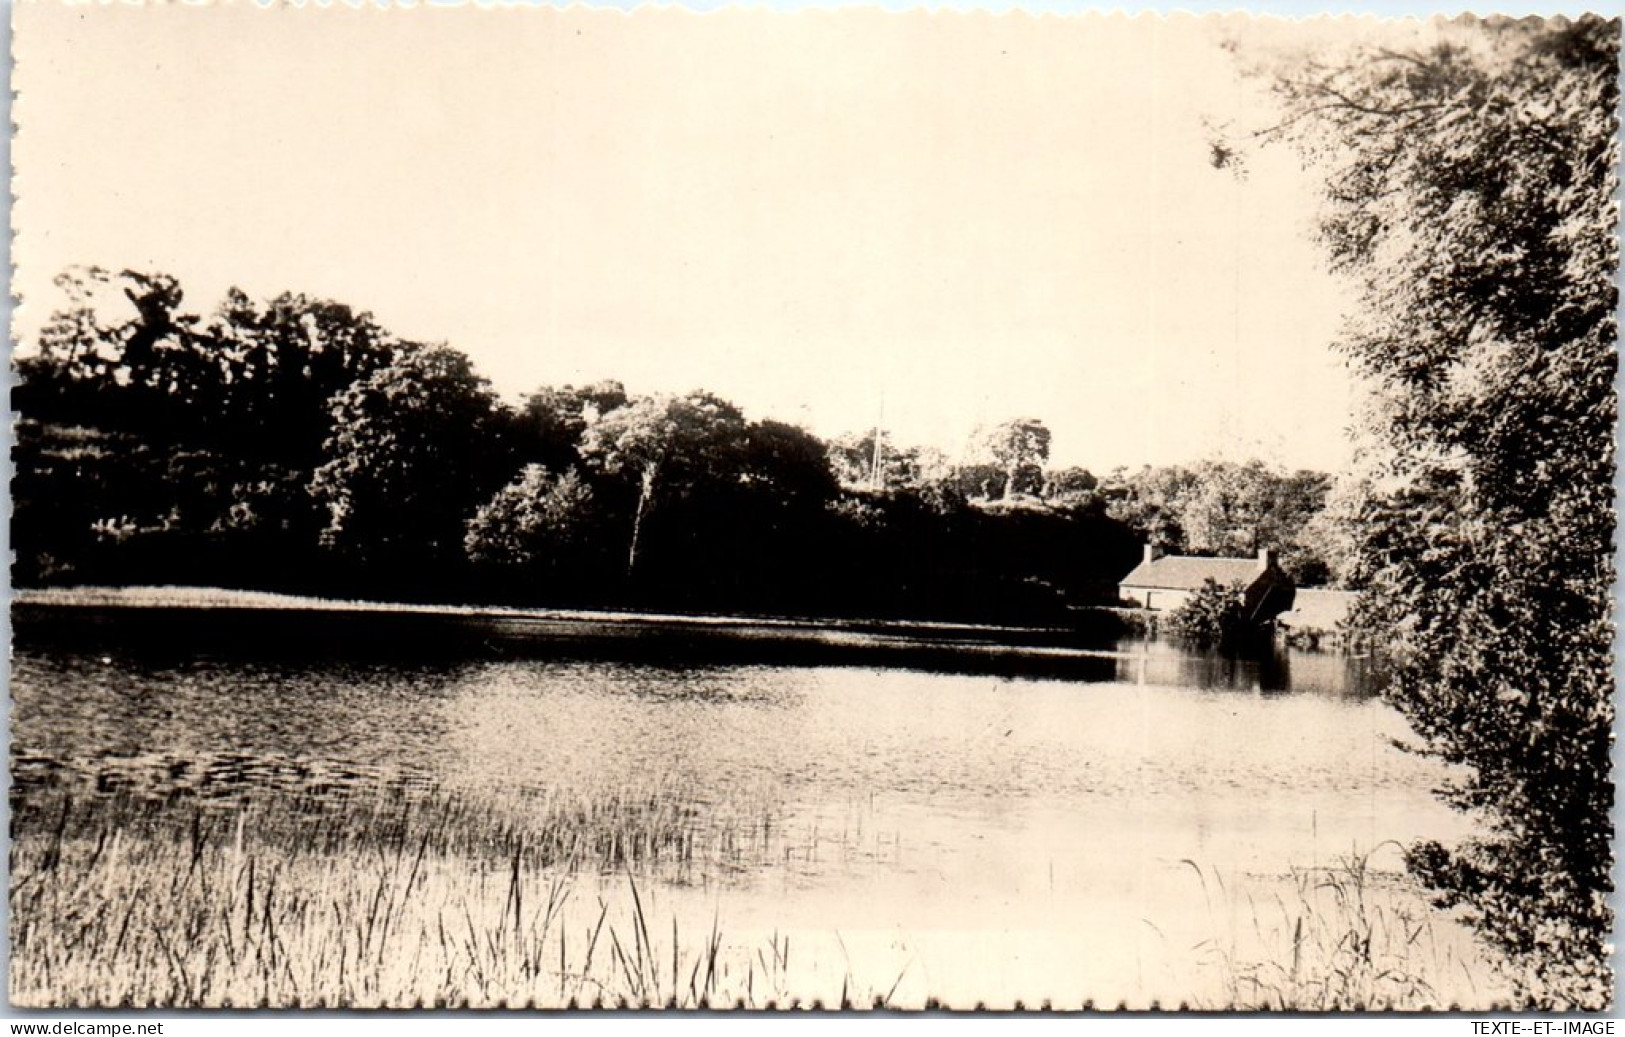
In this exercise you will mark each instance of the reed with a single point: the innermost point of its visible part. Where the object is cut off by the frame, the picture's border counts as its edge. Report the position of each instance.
(400, 895)
(399, 900)
(1344, 937)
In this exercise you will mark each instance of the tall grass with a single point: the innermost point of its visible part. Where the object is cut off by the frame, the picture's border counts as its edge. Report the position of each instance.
(1345, 937)
(398, 899)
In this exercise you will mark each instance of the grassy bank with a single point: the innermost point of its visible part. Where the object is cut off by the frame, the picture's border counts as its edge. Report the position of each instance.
(397, 900)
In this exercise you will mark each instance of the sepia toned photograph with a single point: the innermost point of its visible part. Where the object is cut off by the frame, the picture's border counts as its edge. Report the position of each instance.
(839, 509)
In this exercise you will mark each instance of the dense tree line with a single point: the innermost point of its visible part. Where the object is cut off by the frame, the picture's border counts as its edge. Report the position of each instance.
(295, 444)
(1232, 509)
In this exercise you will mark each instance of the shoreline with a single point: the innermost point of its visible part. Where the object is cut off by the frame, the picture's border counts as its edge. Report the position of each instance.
(187, 597)
(1033, 650)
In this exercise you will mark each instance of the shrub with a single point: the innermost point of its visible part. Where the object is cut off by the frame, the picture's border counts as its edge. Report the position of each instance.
(1213, 617)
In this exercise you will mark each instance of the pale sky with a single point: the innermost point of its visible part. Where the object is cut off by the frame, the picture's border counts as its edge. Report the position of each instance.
(958, 218)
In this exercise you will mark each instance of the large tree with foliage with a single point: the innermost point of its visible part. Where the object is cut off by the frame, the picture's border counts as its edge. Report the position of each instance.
(1150, 501)
(284, 360)
(660, 441)
(1469, 182)
(1019, 448)
(537, 520)
(552, 420)
(415, 448)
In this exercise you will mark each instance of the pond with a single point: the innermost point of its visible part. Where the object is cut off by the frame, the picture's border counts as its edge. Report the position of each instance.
(864, 815)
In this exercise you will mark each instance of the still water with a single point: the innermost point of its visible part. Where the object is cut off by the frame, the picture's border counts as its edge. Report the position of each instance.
(969, 824)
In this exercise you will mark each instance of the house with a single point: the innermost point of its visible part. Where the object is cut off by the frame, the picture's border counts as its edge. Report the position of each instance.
(1162, 584)
(1316, 610)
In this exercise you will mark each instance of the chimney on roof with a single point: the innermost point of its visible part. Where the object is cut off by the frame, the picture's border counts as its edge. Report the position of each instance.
(1266, 558)
(1152, 552)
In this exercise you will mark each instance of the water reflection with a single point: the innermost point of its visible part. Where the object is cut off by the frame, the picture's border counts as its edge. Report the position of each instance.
(175, 636)
(1273, 669)
(150, 695)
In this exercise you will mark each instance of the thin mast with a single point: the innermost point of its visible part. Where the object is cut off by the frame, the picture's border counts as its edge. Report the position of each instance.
(880, 438)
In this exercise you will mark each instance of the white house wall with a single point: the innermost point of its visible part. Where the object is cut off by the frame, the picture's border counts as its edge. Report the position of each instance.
(1158, 599)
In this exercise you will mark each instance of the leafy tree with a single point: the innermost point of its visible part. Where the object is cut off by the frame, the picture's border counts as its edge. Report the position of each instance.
(943, 496)
(1019, 448)
(1150, 501)
(121, 355)
(745, 529)
(1226, 509)
(977, 481)
(537, 518)
(1306, 547)
(1335, 529)
(913, 468)
(853, 459)
(194, 438)
(1235, 509)
(283, 362)
(1212, 617)
(661, 440)
(1469, 184)
(787, 464)
(552, 420)
(1071, 486)
(409, 458)
(97, 337)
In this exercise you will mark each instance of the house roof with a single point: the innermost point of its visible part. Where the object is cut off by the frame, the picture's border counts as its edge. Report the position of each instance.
(1187, 573)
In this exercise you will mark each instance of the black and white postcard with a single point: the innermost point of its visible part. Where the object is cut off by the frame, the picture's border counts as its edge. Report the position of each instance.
(572, 508)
